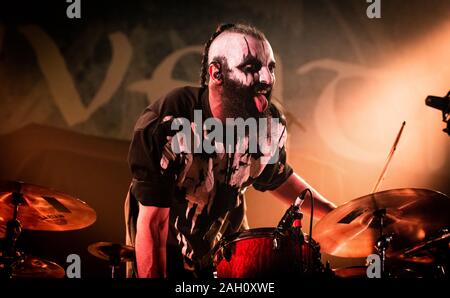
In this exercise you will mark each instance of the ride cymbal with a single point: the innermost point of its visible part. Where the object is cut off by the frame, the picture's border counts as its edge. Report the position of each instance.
(411, 215)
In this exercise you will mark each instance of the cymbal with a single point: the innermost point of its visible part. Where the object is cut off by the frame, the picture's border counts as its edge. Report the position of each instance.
(445, 238)
(112, 252)
(425, 252)
(412, 215)
(34, 267)
(360, 272)
(351, 272)
(44, 209)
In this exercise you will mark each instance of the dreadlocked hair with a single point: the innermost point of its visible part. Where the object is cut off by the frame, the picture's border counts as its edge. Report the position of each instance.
(236, 28)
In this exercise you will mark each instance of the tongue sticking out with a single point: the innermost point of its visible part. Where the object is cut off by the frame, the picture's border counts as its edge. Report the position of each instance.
(260, 102)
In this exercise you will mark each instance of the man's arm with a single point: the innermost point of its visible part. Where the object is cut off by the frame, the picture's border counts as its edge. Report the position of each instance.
(151, 238)
(293, 186)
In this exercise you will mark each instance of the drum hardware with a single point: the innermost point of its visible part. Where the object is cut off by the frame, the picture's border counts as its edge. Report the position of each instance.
(384, 240)
(440, 242)
(292, 214)
(13, 226)
(397, 271)
(250, 254)
(34, 207)
(227, 254)
(22, 265)
(351, 230)
(290, 225)
(13, 231)
(270, 252)
(433, 254)
(33, 267)
(296, 229)
(404, 218)
(392, 224)
(442, 104)
(382, 245)
(114, 253)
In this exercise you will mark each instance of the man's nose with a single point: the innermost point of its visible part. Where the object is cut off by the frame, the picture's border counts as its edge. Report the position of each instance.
(265, 76)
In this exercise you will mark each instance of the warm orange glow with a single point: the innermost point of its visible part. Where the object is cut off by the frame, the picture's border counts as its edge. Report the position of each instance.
(368, 112)
(344, 158)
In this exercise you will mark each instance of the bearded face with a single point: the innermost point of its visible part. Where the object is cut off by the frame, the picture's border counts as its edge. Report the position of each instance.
(248, 72)
(243, 101)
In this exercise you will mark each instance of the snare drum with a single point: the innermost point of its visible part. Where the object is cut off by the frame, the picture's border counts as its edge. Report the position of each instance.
(261, 252)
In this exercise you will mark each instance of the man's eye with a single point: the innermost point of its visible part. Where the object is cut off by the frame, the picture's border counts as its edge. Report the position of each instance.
(250, 68)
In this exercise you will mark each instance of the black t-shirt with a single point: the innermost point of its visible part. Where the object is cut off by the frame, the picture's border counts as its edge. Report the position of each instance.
(204, 191)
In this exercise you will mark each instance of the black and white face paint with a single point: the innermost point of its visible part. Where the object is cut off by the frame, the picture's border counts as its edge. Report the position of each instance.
(248, 69)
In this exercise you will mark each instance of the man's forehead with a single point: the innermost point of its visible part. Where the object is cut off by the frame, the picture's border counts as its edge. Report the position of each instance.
(235, 46)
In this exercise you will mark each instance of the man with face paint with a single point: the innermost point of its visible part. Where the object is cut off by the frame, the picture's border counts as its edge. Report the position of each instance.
(180, 204)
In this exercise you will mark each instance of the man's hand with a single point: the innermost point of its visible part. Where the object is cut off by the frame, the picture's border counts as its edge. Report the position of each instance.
(151, 238)
(293, 186)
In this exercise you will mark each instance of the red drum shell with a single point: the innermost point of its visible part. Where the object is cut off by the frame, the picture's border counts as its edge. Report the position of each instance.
(251, 254)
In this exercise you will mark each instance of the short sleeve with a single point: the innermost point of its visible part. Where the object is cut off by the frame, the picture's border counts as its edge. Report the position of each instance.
(274, 174)
(150, 162)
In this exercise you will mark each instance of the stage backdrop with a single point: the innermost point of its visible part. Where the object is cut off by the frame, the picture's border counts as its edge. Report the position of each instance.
(72, 89)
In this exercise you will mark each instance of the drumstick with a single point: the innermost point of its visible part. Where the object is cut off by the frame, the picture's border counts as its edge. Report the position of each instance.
(391, 154)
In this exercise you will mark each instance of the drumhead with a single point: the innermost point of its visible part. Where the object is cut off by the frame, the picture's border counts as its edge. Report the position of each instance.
(247, 234)
(250, 233)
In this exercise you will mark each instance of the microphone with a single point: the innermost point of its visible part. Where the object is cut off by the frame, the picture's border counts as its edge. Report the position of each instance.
(291, 214)
(440, 103)
(287, 221)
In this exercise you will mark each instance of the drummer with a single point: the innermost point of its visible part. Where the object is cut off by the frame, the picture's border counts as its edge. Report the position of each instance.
(184, 196)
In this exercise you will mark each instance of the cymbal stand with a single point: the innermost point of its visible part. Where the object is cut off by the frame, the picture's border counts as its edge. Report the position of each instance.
(13, 231)
(114, 260)
(383, 241)
(442, 256)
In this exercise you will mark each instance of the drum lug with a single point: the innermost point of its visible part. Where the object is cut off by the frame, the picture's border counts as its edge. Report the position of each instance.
(227, 253)
(276, 240)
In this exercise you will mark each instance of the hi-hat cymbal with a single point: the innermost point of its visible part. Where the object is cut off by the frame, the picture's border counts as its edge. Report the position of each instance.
(112, 252)
(412, 215)
(43, 209)
(34, 267)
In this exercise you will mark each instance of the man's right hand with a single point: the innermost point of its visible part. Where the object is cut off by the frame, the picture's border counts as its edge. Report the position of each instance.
(151, 237)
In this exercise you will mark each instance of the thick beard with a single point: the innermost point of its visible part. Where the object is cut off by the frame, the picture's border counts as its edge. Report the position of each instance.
(238, 102)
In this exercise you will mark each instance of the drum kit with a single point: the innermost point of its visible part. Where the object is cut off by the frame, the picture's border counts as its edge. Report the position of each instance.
(406, 228)
(33, 207)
